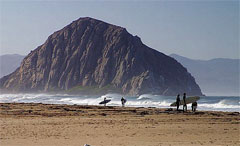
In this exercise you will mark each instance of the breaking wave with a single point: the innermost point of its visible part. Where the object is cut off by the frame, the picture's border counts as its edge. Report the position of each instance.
(146, 100)
(222, 104)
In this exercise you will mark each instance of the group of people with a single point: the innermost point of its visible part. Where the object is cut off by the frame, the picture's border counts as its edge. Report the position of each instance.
(194, 104)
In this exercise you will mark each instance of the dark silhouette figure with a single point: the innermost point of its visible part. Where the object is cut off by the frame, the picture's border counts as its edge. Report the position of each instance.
(194, 106)
(123, 101)
(105, 101)
(184, 102)
(178, 101)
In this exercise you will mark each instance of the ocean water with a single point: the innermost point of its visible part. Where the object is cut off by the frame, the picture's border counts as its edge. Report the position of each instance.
(209, 103)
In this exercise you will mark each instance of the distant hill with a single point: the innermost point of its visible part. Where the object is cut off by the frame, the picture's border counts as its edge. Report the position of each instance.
(9, 63)
(94, 56)
(218, 76)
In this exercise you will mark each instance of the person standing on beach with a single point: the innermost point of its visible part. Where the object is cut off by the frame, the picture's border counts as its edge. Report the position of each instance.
(194, 106)
(105, 101)
(123, 101)
(184, 102)
(178, 101)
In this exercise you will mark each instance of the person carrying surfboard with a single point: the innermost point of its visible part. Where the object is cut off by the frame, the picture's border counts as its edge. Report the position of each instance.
(184, 102)
(105, 101)
(178, 101)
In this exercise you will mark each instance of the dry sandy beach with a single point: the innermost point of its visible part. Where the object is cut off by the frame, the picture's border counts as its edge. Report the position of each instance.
(32, 124)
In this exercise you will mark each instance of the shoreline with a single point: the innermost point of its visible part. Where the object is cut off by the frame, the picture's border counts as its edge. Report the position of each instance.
(229, 104)
(163, 109)
(129, 106)
(62, 124)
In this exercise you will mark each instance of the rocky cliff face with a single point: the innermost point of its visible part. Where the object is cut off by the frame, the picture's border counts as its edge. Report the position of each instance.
(92, 53)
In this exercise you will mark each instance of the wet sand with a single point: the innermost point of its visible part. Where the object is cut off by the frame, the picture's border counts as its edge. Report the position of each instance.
(33, 124)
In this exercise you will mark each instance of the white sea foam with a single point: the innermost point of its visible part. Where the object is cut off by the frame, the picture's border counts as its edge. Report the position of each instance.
(221, 104)
(88, 101)
(148, 103)
(145, 100)
(147, 96)
(112, 96)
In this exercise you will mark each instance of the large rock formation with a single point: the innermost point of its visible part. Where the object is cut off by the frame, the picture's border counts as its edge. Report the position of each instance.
(92, 53)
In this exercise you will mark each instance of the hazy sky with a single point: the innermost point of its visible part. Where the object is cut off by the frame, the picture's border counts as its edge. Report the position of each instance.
(195, 29)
